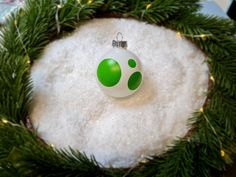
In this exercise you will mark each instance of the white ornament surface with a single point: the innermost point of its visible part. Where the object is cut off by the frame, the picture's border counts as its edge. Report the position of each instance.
(69, 108)
(122, 56)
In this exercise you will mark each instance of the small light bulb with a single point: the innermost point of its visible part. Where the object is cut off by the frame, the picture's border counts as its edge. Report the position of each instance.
(222, 153)
(203, 36)
(4, 121)
(144, 161)
(148, 6)
(59, 6)
(90, 1)
(212, 79)
(178, 34)
(201, 109)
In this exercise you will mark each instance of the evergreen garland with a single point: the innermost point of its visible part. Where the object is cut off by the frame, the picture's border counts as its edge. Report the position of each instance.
(205, 150)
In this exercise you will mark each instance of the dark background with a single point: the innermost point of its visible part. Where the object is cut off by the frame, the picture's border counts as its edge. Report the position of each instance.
(232, 10)
(231, 172)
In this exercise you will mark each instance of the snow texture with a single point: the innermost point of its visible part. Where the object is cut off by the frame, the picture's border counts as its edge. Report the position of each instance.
(70, 110)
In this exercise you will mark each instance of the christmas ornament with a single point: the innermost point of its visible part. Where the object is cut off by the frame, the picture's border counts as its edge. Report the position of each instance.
(119, 71)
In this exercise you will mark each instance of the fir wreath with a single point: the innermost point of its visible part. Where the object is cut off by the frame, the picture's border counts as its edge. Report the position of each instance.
(205, 150)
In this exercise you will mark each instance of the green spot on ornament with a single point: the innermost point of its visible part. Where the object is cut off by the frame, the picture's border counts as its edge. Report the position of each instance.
(135, 80)
(109, 72)
(132, 63)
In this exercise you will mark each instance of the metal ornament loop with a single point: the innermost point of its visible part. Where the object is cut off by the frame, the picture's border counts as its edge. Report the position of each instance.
(119, 34)
(119, 41)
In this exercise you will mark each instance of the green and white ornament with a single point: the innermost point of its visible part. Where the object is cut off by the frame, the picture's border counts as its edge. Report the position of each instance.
(119, 71)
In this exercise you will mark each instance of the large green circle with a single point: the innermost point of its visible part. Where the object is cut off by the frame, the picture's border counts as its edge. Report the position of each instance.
(135, 80)
(109, 72)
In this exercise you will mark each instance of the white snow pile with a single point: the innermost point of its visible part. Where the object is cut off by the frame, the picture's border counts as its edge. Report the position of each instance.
(70, 110)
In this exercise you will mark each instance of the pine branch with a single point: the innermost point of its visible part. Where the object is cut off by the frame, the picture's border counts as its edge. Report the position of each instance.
(22, 150)
(224, 106)
(15, 95)
(161, 11)
(115, 7)
(202, 24)
(220, 45)
(178, 161)
(73, 11)
(211, 139)
(29, 29)
(9, 33)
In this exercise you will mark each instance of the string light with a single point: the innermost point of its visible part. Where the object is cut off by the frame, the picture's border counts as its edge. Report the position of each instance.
(22, 43)
(148, 6)
(5, 121)
(202, 36)
(212, 79)
(178, 34)
(144, 11)
(28, 59)
(90, 1)
(59, 6)
(225, 156)
(52, 145)
(201, 110)
(222, 153)
(144, 161)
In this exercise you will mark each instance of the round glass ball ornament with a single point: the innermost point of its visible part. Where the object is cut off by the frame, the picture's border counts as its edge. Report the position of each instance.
(119, 72)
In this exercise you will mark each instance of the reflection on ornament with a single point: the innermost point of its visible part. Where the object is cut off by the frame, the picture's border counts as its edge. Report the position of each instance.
(119, 70)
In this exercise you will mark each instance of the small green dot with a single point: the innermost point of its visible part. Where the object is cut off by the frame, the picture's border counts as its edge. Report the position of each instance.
(109, 72)
(135, 80)
(132, 63)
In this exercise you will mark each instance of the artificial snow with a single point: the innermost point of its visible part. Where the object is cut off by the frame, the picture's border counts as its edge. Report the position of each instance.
(70, 110)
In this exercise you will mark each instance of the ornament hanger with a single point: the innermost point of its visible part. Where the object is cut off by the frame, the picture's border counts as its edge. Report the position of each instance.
(119, 34)
(119, 41)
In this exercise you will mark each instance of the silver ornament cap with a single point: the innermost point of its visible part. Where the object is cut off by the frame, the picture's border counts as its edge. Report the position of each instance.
(119, 43)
